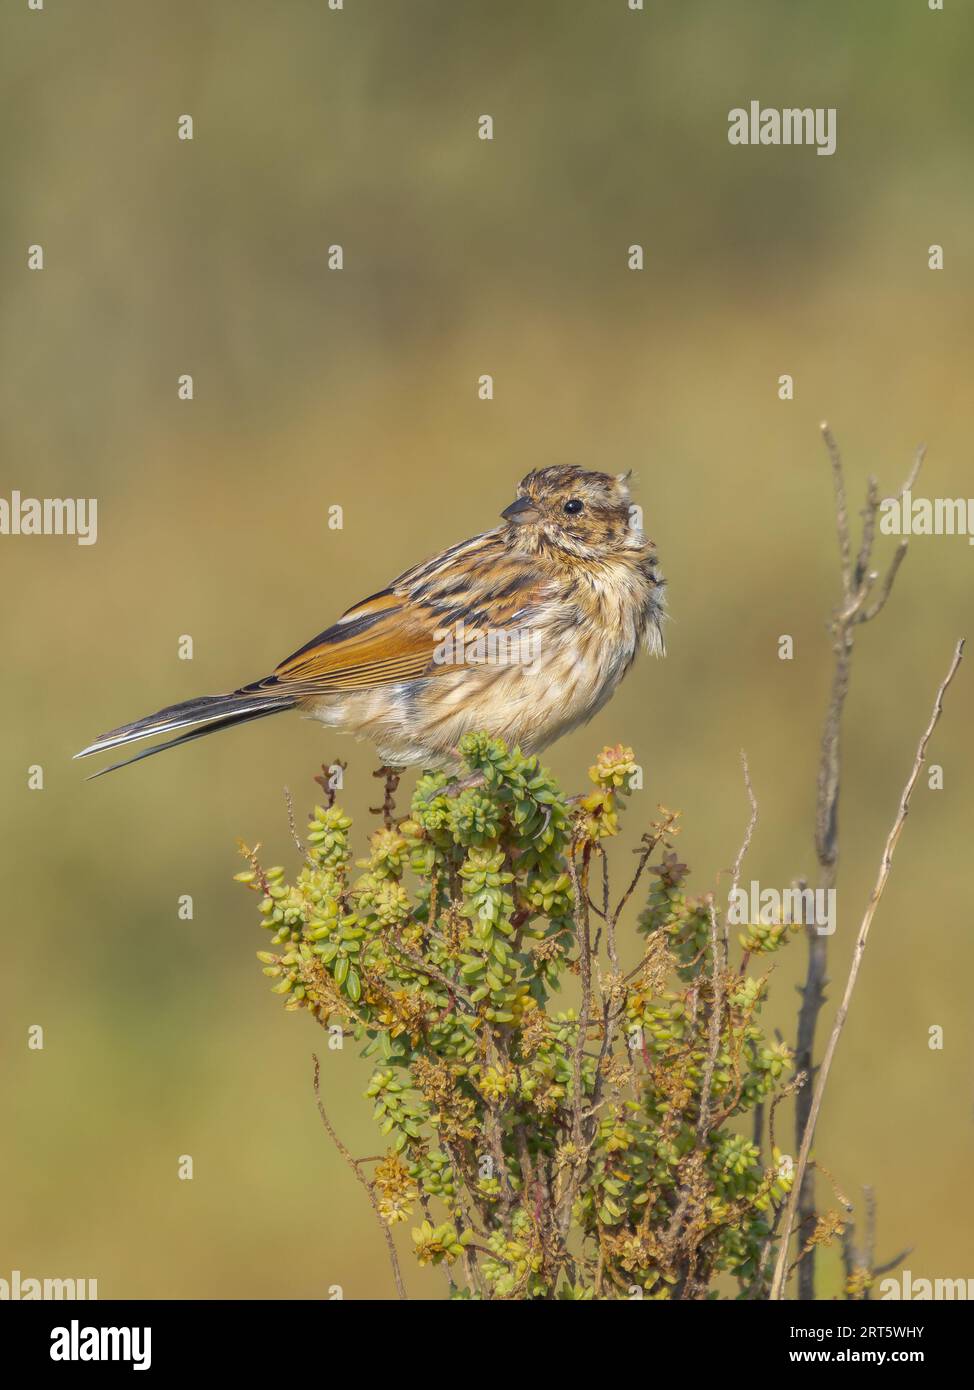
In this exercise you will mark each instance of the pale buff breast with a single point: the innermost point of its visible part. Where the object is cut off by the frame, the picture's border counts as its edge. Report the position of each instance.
(529, 694)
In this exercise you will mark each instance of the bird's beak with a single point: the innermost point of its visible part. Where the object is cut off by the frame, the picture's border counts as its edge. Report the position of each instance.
(521, 511)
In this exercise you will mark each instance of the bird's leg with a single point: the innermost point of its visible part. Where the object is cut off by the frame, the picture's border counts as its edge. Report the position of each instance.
(388, 808)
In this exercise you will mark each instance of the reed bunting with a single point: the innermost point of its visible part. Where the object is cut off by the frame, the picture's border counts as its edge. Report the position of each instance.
(523, 632)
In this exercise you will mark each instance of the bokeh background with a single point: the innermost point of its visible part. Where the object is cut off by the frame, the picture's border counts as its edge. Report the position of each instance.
(359, 388)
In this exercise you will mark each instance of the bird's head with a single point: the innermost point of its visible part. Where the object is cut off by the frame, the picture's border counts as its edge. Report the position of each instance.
(581, 513)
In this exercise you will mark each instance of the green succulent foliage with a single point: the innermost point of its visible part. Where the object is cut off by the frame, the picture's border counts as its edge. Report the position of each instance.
(541, 1163)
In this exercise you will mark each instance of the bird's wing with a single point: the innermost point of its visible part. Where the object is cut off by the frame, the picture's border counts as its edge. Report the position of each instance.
(394, 634)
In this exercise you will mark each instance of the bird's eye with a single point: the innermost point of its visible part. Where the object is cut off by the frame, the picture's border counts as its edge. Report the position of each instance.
(573, 506)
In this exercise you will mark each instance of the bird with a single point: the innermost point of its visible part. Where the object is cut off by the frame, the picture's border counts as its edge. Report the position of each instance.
(522, 632)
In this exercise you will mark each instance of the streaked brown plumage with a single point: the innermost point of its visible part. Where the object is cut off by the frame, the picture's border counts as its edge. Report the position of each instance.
(524, 631)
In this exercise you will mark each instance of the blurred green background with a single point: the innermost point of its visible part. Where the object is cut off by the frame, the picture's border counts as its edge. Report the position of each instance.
(313, 388)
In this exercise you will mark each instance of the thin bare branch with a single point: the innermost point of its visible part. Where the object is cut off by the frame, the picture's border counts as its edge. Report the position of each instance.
(795, 1084)
(885, 589)
(390, 781)
(716, 1012)
(585, 963)
(900, 553)
(369, 1192)
(911, 477)
(650, 840)
(849, 612)
(869, 514)
(425, 967)
(752, 822)
(841, 507)
(891, 1264)
(886, 864)
(748, 836)
(292, 828)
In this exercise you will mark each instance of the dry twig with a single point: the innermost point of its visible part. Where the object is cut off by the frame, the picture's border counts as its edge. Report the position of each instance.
(857, 585)
(886, 864)
(354, 1165)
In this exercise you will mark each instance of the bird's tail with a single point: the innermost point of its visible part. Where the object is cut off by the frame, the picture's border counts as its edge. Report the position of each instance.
(204, 715)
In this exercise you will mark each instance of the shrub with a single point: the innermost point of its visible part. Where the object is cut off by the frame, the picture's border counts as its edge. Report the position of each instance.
(562, 1107)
